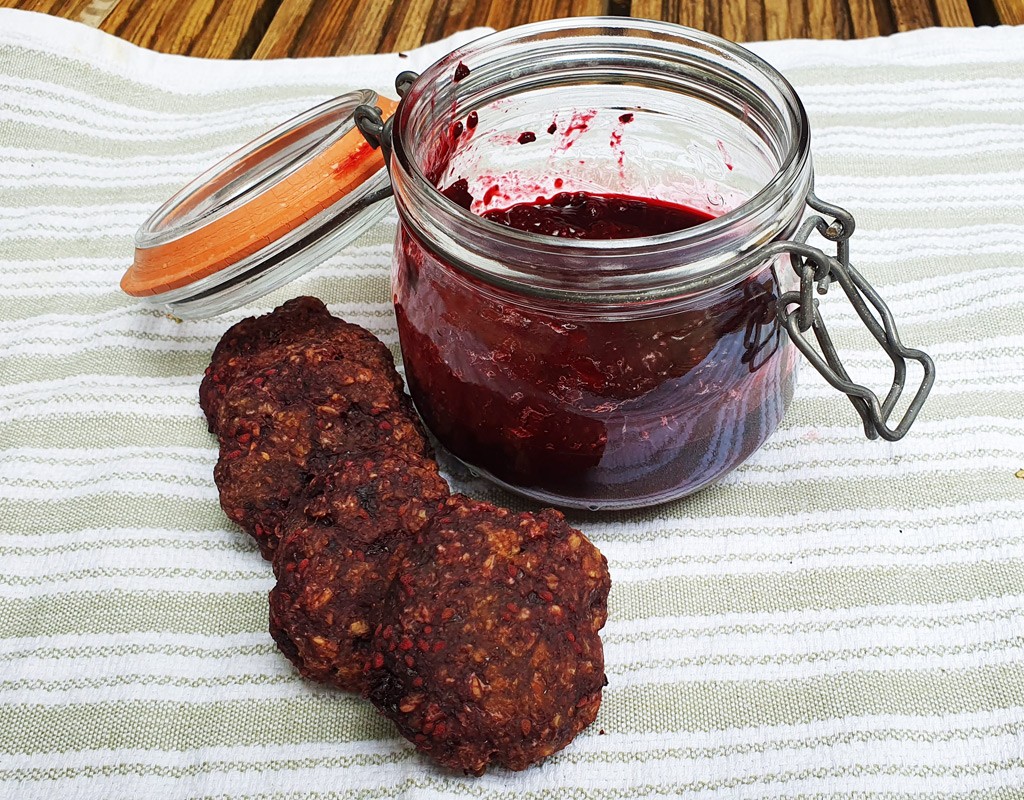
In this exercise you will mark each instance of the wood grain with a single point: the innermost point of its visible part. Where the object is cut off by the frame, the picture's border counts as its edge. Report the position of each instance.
(68, 9)
(755, 20)
(870, 18)
(954, 13)
(682, 12)
(913, 14)
(786, 21)
(505, 14)
(829, 19)
(322, 27)
(742, 20)
(1010, 12)
(292, 28)
(205, 28)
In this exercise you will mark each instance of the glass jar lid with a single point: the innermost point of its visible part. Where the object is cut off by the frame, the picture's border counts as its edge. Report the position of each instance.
(264, 215)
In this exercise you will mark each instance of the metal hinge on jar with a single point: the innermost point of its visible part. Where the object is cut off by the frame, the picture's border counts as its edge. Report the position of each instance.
(371, 124)
(799, 312)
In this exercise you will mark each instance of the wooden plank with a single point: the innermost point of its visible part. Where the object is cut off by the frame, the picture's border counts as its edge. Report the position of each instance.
(682, 12)
(324, 28)
(68, 9)
(205, 28)
(418, 21)
(743, 20)
(285, 27)
(456, 15)
(242, 22)
(344, 27)
(954, 13)
(1010, 12)
(504, 14)
(828, 19)
(750, 20)
(785, 20)
(870, 18)
(910, 15)
(755, 20)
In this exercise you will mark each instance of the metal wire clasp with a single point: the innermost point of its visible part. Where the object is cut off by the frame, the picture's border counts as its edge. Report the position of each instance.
(369, 118)
(798, 311)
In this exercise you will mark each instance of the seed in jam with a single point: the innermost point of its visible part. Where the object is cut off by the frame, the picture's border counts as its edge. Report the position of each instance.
(626, 118)
(553, 127)
(472, 120)
(582, 215)
(526, 137)
(461, 72)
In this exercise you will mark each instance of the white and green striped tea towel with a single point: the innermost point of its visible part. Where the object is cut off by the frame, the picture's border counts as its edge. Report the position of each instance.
(838, 618)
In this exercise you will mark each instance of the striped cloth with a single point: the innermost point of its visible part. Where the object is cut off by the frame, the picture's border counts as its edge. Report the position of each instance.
(838, 618)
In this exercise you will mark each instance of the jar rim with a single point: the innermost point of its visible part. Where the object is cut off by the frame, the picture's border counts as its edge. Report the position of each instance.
(436, 88)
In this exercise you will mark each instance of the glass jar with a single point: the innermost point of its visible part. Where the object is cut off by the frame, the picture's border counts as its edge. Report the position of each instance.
(595, 374)
(598, 374)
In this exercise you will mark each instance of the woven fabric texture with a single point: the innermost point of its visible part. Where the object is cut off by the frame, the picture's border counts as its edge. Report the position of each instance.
(836, 618)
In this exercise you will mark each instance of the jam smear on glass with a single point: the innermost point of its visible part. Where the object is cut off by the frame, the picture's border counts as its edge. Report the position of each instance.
(577, 406)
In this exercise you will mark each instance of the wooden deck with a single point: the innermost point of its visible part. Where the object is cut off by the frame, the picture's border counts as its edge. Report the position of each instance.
(296, 28)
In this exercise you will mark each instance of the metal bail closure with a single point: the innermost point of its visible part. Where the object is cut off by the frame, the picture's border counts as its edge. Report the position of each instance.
(817, 270)
(373, 125)
(264, 215)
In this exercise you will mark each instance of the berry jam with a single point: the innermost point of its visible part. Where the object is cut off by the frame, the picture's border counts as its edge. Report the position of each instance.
(577, 406)
(581, 215)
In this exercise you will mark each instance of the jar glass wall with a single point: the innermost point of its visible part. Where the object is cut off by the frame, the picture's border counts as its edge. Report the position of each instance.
(601, 374)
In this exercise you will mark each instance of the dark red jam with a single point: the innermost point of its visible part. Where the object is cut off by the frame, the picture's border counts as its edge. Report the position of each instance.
(581, 215)
(578, 406)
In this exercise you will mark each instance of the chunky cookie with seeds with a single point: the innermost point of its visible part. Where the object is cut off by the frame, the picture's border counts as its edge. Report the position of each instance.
(339, 557)
(301, 336)
(287, 323)
(488, 651)
(277, 436)
(262, 469)
(290, 391)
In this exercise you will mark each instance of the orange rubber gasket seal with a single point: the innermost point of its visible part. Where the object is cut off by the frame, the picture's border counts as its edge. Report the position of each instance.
(314, 186)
